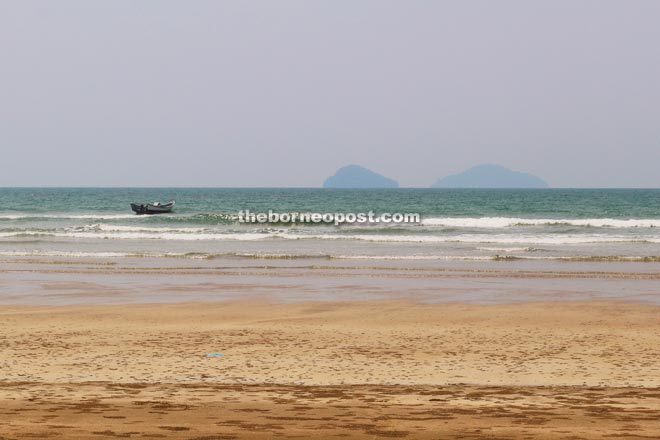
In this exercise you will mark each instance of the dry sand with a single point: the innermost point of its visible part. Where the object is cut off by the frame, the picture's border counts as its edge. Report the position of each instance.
(376, 369)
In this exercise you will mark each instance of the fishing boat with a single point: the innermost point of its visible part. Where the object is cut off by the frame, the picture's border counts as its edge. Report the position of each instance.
(152, 208)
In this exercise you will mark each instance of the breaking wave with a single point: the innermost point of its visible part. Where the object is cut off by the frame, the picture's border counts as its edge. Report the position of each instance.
(507, 222)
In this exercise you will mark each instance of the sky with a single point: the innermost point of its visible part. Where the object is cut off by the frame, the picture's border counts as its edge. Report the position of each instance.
(282, 93)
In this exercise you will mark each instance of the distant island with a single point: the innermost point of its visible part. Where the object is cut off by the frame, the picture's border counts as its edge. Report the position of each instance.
(355, 176)
(490, 176)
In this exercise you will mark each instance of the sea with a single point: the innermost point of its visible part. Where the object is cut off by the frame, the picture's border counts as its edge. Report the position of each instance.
(601, 225)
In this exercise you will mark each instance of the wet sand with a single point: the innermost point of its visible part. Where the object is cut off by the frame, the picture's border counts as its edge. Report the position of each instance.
(213, 412)
(61, 281)
(308, 350)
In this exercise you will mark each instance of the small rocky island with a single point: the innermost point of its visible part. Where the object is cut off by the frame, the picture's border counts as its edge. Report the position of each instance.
(355, 176)
(490, 176)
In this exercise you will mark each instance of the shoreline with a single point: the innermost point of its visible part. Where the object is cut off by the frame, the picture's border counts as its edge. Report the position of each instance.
(64, 281)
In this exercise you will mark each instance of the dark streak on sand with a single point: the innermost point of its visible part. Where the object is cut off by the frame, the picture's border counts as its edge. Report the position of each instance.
(202, 411)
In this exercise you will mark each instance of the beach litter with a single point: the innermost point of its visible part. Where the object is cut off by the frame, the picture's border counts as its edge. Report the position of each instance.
(214, 355)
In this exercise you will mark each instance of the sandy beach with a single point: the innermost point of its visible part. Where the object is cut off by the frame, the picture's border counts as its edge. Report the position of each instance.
(421, 220)
(376, 368)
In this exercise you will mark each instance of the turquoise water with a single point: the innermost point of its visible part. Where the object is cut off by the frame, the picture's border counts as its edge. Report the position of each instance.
(532, 203)
(599, 224)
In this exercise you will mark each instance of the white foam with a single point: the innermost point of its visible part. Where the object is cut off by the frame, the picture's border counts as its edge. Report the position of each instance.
(75, 254)
(527, 240)
(414, 257)
(160, 230)
(37, 215)
(139, 235)
(507, 249)
(64, 254)
(167, 236)
(506, 222)
(547, 239)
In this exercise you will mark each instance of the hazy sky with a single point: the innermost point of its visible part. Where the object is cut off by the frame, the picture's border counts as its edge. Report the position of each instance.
(281, 93)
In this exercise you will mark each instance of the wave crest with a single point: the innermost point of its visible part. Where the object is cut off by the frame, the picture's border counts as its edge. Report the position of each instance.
(508, 222)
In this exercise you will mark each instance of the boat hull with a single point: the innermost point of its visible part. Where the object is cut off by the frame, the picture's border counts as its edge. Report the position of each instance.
(149, 209)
